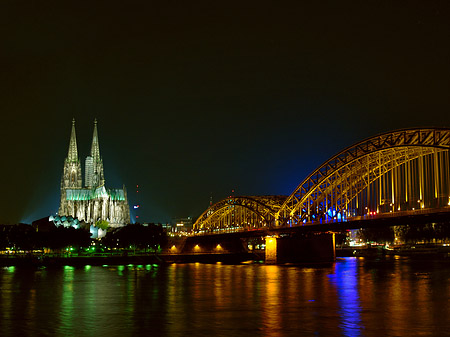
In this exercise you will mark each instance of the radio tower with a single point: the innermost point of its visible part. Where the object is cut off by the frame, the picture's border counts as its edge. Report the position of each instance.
(136, 207)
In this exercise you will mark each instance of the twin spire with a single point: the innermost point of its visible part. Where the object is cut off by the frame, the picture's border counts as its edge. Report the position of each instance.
(72, 155)
(88, 199)
(94, 176)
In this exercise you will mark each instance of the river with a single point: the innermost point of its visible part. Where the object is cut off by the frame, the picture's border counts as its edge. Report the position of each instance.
(392, 296)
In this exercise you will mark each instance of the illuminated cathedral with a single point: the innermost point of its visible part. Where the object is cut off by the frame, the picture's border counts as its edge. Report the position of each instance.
(92, 202)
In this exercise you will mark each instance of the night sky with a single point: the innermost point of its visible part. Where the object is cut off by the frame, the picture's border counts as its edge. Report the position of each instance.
(197, 98)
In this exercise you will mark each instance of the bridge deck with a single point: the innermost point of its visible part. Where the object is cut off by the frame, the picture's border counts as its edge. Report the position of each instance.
(422, 216)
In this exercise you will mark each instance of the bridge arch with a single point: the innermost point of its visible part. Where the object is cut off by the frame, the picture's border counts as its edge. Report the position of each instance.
(394, 171)
(244, 212)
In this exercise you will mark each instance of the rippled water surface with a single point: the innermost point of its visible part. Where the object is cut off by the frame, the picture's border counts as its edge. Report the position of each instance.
(353, 297)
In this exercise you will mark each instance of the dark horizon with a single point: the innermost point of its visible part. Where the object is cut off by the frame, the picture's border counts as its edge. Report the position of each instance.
(194, 100)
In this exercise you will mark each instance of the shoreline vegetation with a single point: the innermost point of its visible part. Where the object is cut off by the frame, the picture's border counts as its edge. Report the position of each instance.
(137, 244)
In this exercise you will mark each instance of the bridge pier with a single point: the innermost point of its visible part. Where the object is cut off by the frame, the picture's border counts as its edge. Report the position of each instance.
(315, 248)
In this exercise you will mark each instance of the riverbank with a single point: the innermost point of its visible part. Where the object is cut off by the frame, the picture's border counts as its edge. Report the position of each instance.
(48, 261)
(226, 258)
(412, 250)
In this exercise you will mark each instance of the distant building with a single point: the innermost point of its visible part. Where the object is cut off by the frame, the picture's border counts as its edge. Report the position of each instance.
(167, 227)
(182, 224)
(94, 201)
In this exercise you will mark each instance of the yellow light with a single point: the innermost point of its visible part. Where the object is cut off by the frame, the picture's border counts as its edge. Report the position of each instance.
(197, 248)
(271, 249)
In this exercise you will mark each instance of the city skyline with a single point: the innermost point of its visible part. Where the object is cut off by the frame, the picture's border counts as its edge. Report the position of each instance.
(201, 99)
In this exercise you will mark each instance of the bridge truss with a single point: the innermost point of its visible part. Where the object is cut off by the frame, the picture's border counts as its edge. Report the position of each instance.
(246, 213)
(405, 170)
(396, 171)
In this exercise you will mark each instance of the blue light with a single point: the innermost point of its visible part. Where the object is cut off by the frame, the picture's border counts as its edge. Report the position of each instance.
(331, 212)
(345, 279)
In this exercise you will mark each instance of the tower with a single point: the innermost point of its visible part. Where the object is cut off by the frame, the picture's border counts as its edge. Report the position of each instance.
(137, 206)
(94, 202)
(94, 175)
(72, 168)
(89, 172)
(71, 177)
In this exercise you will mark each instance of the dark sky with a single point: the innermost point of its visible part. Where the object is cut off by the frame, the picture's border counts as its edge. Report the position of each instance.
(195, 98)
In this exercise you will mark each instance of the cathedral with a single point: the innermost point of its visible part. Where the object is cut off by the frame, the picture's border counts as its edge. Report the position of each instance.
(93, 201)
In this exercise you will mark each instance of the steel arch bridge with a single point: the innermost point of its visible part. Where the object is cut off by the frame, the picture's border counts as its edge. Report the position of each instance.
(401, 171)
(245, 213)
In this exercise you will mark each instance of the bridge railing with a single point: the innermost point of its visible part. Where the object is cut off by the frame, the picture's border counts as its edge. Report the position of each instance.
(379, 215)
(226, 230)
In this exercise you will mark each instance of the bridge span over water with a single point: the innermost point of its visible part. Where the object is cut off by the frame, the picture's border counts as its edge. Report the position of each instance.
(396, 177)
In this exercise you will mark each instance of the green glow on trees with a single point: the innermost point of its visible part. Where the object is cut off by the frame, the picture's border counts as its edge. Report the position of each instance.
(102, 224)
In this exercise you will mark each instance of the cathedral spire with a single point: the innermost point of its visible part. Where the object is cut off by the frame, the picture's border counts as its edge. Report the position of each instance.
(94, 164)
(72, 168)
(95, 149)
(94, 201)
(72, 155)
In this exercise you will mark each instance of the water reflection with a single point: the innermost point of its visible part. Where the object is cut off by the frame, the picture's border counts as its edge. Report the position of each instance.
(354, 297)
(271, 318)
(67, 303)
(345, 279)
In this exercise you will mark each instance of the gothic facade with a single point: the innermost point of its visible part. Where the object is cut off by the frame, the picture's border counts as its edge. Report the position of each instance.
(93, 201)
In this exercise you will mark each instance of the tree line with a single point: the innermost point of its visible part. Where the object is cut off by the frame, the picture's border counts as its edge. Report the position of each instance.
(27, 238)
(136, 236)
